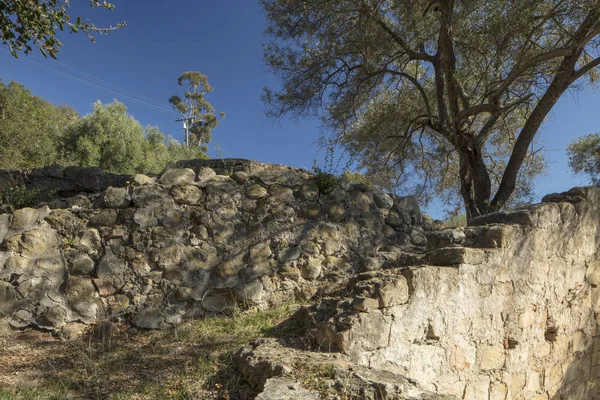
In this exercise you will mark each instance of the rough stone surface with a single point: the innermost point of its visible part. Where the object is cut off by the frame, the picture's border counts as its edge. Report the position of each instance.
(506, 308)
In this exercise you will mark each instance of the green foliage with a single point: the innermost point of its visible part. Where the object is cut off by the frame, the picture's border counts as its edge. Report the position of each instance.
(438, 99)
(24, 24)
(31, 129)
(456, 220)
(325, 181)
(19, 196)
(584, 156)
(198, 112)
(113, 140)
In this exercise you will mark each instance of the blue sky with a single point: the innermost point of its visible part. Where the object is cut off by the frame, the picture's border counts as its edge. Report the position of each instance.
(222, 39)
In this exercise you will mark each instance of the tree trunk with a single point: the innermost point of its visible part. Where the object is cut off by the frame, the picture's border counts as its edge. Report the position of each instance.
(475, 182)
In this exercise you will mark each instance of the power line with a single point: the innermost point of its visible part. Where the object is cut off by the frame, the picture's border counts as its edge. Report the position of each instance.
(141, 96)
(142, 102)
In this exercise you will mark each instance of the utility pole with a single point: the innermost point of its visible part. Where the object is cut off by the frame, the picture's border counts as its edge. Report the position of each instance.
(186, 126)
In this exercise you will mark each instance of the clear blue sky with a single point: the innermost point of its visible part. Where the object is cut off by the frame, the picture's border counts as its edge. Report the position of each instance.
(222, 39)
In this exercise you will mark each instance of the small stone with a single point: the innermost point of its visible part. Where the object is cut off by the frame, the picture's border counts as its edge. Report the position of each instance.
(370, 264)
(205, 174)
(141, 179)
(365, 304)
(186, 193)
(73, 331)
(150, 319)
(310, 191)
(110, 264)
(418, 238)
(394, 220)
(117, 197)
(311, 210)
(310, 248)
(290, 272)
(255, 192)
(177, 176)
(337, 213)
(240, 177)
(105, 286)
(90, 240)
(383, 200)
(250, 293)
(106, 217)
(288, 254)
(281, 192)
(260, 252)
(312, 269)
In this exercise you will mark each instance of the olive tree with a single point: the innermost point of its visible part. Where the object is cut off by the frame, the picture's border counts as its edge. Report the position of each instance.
(584, 156)
(454, 91)
(27, 23)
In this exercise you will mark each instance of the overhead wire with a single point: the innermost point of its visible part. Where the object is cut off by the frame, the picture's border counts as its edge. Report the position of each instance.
(131, 92)
(86, 82)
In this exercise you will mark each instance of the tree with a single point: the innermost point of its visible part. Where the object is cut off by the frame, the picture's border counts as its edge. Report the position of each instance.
(584, 156)
(454, 91)
(197, 113)
(31, 128)
(116, 142)
(27, 23)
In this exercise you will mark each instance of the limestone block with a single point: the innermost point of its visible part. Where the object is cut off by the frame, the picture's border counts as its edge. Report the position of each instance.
(365, 304)
(491, 357)
(456, 255)
(285, 389)
(393, 292)
(477, 388)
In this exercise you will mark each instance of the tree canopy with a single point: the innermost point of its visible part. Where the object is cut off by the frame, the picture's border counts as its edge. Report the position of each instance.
(31, 129)
(27, 23)
(452, 93)
(584, 156)
(198, 114)
(113, 140)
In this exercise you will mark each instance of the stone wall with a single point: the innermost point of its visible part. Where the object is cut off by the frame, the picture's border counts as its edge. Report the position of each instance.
(507, 309)
(504, 309)
(192, 242)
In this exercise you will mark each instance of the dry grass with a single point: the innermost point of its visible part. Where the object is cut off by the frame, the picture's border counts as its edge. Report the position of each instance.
(191, 361)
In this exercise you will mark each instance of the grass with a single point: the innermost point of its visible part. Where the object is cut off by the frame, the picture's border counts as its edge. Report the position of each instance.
(191, 361)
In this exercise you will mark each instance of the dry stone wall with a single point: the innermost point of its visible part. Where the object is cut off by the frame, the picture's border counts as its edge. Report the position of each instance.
(192, 242)
(504, 309)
